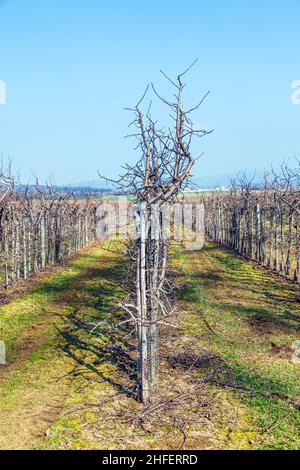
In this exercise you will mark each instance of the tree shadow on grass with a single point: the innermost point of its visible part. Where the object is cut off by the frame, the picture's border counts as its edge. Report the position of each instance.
(267, 321)
(98, 348)
(103, 354)
(265, 312)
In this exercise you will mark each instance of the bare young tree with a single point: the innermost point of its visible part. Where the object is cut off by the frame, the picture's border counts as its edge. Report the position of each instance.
(160, 174)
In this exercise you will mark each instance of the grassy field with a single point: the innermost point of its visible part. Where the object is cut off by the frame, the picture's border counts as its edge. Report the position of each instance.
(249, 320)
(227, 379)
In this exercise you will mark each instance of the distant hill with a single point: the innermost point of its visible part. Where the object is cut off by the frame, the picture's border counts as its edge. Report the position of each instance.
(210, 182)
(76, 189)
(94, 184)
(203, 182)
(223, 180)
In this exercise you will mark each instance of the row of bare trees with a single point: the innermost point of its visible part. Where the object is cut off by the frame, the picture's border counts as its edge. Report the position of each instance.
(40, 227)
(262, 224)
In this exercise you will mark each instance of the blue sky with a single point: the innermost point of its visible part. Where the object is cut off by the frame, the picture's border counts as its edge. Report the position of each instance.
(70, 67)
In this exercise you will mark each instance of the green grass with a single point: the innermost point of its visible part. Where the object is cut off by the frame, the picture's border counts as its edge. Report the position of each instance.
(235, 310)
(48, 342)
(247, 310)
